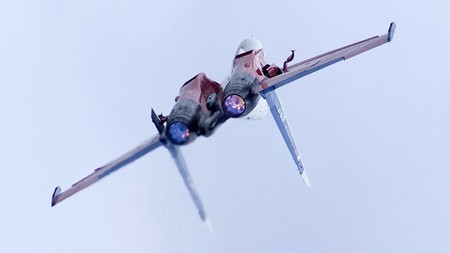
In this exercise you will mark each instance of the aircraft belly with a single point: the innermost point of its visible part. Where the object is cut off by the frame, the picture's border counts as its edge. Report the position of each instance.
(259, 112)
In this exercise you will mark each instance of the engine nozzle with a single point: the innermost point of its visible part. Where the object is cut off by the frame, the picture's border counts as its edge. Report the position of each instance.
(234, 106)
(178, 133)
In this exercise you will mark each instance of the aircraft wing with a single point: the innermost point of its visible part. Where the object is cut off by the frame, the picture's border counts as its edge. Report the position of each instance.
(314, 64)
(127, 158)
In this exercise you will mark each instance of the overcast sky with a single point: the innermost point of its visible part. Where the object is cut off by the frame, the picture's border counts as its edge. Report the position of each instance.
(78, 80)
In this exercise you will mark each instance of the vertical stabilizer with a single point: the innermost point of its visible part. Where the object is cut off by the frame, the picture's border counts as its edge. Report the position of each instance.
(158, 124)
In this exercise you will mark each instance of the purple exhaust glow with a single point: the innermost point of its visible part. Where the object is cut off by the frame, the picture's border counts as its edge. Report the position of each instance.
(178, 133)
(234, 106)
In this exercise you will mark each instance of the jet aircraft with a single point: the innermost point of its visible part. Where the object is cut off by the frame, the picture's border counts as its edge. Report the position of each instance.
(203, 104)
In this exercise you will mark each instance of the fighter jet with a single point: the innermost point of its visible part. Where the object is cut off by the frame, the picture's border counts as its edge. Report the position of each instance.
(203, 104)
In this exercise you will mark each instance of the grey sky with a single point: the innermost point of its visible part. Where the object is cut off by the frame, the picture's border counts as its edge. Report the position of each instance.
(78, 79)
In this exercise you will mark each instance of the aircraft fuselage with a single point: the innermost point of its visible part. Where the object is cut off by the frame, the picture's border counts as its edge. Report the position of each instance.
(203, 104)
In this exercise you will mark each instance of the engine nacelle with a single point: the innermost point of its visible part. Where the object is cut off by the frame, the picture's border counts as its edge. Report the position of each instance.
(197, 110)
(182, 121)
(238, 97)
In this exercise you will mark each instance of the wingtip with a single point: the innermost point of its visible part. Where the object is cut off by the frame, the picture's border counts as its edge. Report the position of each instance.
(209, 225)
(391, 31)
(55, 195)
(305, 178)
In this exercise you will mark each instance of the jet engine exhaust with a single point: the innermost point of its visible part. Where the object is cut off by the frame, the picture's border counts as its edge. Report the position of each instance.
(234, 106)
(178, 133)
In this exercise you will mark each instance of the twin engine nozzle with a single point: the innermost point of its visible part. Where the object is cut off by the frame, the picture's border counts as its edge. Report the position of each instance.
(238, 101)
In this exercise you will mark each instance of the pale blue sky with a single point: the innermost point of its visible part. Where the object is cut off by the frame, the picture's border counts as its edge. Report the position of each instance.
(78, 79)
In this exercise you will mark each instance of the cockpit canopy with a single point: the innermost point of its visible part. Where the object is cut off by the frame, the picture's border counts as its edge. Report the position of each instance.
(247, 45)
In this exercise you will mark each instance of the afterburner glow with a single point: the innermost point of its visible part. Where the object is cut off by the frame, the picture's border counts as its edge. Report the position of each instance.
(178, 133)
(234, 106)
